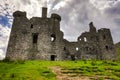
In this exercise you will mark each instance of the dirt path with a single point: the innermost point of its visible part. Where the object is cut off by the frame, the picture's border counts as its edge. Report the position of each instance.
(61, 76)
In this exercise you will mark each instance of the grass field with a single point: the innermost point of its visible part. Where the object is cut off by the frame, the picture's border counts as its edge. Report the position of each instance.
(118, 52)
(42, 70)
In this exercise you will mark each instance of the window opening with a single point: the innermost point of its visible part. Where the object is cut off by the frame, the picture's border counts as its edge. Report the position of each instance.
(53, 37)
(31, 26)
(104, 37)
(87, 48)
(64, 48)
(80, 39)
(85, 39)
(35, 38)
(76, 48)
(106, 47)
(73, 57)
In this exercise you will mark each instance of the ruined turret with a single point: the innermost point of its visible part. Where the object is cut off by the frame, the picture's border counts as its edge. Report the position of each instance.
(92, 28)
(19, 14)
(56, 16)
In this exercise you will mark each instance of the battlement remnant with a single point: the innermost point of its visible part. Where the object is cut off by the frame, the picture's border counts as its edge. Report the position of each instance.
(44, 12)
(19, 14)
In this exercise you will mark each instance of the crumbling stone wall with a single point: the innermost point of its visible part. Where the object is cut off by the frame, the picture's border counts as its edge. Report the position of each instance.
(94, 45)
(41, 38)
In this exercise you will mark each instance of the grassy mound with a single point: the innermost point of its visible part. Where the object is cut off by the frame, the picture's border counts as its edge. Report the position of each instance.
(40, 70)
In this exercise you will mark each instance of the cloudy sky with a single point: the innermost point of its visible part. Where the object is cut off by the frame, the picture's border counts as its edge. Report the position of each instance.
(76, 15)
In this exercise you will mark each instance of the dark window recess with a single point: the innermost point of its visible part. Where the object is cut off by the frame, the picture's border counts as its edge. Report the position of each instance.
(53, 37)
(35, 37)
(64, 48)
(107, 48)
(19, 15)
(87, 48)
(91, 38)
(104, 37)
(31, 26)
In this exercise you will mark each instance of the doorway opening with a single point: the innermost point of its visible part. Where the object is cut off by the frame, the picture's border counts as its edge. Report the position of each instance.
(73, 57)
(53, 57)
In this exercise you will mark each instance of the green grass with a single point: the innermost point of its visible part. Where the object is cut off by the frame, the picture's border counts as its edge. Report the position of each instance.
(117, 45)
(40, 70)
(118, 52)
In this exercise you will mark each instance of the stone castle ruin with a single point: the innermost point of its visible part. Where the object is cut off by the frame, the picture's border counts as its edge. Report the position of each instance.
(41, 38)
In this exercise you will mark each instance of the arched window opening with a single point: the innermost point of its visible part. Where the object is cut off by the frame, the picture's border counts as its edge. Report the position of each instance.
(80, 39)
(76, 48)
(53, 37)
(85, 39)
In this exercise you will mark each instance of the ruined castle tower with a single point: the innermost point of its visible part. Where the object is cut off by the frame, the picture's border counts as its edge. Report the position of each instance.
(107, 48)
(37, 38)
(41, 38)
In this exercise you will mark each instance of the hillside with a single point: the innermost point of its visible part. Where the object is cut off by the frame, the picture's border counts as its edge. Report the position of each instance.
(117, 45)
(59, 70)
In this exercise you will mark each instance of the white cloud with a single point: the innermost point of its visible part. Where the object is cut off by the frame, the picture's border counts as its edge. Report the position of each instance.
(2, 54)
(76, 15)
(61, 4)
(102, 4)
(4, 36)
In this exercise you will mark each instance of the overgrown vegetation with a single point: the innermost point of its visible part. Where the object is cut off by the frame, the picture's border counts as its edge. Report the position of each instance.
(40, 70)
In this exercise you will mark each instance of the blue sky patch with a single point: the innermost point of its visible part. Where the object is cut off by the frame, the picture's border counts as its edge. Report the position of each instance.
(4, 21)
